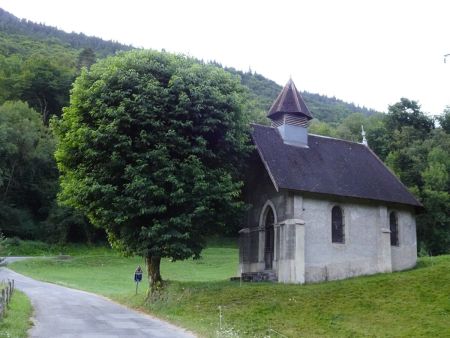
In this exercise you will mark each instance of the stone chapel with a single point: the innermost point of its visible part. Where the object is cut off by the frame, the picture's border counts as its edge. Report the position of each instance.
(321, 208)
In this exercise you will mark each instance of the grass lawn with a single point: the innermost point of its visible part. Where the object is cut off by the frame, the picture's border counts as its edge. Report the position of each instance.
(17, 319)
(409, 304)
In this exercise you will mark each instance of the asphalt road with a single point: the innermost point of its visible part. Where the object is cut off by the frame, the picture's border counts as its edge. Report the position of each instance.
(61, 312)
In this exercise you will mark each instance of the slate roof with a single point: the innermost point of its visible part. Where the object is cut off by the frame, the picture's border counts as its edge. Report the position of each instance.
(329, 166)
(289, 101)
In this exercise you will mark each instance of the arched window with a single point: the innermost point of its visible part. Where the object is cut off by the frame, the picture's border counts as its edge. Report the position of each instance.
(393, 224)
(337, 225)
(269, 241)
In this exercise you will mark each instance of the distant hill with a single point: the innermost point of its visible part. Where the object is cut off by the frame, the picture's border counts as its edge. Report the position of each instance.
(11, 25)
(324, 108)
(22, 39)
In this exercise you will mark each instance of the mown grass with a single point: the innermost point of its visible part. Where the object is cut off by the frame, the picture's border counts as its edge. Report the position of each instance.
(112, 275)
(407, 304)
(16, 321)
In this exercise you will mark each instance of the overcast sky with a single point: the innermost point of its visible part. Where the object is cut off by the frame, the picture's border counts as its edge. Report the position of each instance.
(371, 53)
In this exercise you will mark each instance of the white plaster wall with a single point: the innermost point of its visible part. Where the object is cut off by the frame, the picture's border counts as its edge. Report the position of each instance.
(404, 256)
(359, 255)
(366, 250)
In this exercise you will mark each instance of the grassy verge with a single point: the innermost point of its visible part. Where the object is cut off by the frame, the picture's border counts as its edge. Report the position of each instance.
(412, 303)
(17, 319)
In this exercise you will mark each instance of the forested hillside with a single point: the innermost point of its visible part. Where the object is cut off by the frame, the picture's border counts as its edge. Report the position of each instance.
(38, 65)
(11, 26)
(23, 39)
(323, 108)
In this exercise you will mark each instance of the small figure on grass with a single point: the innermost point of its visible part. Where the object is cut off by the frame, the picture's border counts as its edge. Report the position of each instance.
(138, 276)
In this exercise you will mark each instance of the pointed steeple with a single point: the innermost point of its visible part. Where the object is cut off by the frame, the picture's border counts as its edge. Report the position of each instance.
(290, 116)
(289, 101)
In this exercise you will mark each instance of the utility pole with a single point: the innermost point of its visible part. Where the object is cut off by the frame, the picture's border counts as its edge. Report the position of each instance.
(445, 57)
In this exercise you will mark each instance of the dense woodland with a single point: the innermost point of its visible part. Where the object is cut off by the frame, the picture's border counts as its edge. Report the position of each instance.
(38, 65)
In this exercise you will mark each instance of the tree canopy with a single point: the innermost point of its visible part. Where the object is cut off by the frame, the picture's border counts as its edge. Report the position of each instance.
(407, 113)
(150, 149)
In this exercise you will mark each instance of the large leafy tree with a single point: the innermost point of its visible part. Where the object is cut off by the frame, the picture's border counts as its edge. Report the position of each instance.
(150, 150)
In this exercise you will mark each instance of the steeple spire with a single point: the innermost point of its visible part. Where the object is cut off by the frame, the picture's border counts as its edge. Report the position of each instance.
(289, 101)
(290, 116)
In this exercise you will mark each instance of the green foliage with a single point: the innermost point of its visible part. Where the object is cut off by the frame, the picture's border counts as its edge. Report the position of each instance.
(444, 120)
(13, 26)
(17, 320)
(409, 303)
(45, 85)
(68, 225)
(331, 109)
(434, 224)
(29, 181)
(321, 128)
(420, 156)
(150, 149)
(435, 176)
(10, 83)
(27, 171)
(86, 58)
(350, 127)
(22, 39)
(407, 157)
(37, 65)
(407, 113)
(41, 81)
(377, 135)
(40, 76)
(15, 246)
(264, 92)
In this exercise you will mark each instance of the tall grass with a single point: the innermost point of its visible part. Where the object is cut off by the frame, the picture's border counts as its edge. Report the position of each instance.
(17, 318)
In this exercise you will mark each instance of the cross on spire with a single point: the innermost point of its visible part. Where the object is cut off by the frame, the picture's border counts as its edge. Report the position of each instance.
(363, 133)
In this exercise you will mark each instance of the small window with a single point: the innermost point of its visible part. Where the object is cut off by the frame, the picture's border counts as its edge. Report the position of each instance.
(393, 224)
(337, 225)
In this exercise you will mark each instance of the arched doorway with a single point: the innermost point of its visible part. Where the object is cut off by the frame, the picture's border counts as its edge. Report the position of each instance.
(269, 241)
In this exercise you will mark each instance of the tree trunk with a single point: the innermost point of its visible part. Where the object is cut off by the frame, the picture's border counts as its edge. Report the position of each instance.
(154, 273)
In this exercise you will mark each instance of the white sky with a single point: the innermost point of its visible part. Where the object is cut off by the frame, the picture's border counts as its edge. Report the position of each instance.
(368, 52)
